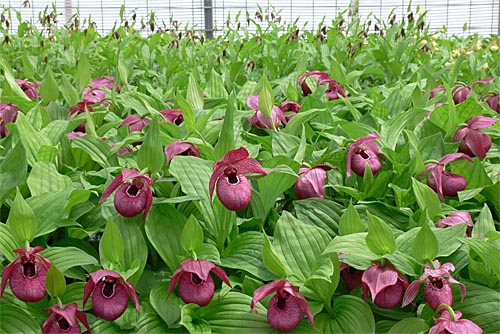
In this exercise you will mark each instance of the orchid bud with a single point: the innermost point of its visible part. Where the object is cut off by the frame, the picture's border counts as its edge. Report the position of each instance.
(472, 141)
(460, 93)
(385, 284)
(29, 88)
(311, 182)
(8, 114)
(493, 101)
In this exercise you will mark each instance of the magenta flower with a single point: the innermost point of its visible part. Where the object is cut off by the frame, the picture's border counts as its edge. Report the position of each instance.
(435, 90)
(385, 283)
(286, 306)
(311, 182)
(8, 114)
(302, 81)
(107, 81)
(289, 109)
(457, 218)
(233, 188)
(62, 320)
(75, 134)
(460, 93)
(134, 193)
(29, 88)
(181, 148)
(173, 116)
(448, 324)
(262, 121)
(80, 108)
(110, 294)
(195, 283)
(493, 101)
(444, 182)
(437, 288)
(363, 151)
(93, 95)
(27, 274)
(472, 141)
(135, 122)
(334, 90)
(351, 276)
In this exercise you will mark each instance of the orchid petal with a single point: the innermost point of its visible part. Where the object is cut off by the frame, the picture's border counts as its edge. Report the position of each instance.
(377, 278)
(437, 174)
(483, 81)
(83, 318)
(149, 202)
(201, 268)
(411, 292)
(475, 143)
(305, 306)
(253, 101)
(249, 165)
(6, 274)
(67, 312)
(461, 133)
(266, 290)
(130, 119)
(87, 290)
(133, 295)
(453, 156)
(174, 279)
(112, 187)
(219, 272)
(481, 122)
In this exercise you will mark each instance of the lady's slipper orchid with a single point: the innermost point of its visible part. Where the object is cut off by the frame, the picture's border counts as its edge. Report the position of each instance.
(107, 81)
(472, 141)
(110, 294)
(444, 182)
(181, 148)
(135, 122)
(437, 289)
(173, 116)
(302, 81)
(286, 306)
(27, 274)
(448, 324)
(493, 101)
(334, 90)
(385, 283)
(460, 92)
(93, 95)
(261, 120)
(350, 275)
(134, 193)
(29, 88)
(457, 218)
(363, 151)
(289, 109)
(62, 320)
(311, 182)
(8, 114)
(195, 283)
(233, 188)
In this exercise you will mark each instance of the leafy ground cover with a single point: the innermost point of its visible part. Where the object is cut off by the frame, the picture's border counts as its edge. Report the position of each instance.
(344, 180)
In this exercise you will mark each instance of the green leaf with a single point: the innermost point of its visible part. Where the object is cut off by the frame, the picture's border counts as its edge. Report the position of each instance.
(427, 198)
(190, 318)
(350, 222)
(68, 91)
(55, 282)
(350, 314)
(22, 221)
(66, 258)
(49, 209)
(13, 169)
(215, 86)
(111, 245)
(8, 243)
(95, 147)
(122, 71)
(44, 178)
(425, 246)
(17, 320)
(169, 309)
(31, 138)
(168, 245)
(192, 234)
(187, 113)
(380, 238)
(271, 260)
(319, 212)
(354, 249)
(49, 89)
(148, 323)
(226, 135)
(83, 72)
(193, 95)
(299, 245)
(151, 154)
(487, 252)
(11, 80)
(266, 99)
(410, 326)
(245, 253)
(484, 223)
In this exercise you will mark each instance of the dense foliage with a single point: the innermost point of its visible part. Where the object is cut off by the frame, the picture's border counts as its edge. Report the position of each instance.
(342, 180)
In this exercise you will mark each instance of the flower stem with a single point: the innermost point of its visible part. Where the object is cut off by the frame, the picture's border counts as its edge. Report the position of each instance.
(27, 245)
(449, 309)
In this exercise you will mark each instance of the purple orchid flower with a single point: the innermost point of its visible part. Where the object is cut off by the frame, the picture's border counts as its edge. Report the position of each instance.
(286, 306)
(27, 273)
(75, 134)
(29, 88)
(135, 122)
(80, 108)
(107, 81)
(289, 109)
(302, 81)
(472, 141)
(63, 320)
(350, 275)
(181, 148)
(195, 283)
(493, 101)
(262, 121)
(173, 116)
(457, 218)
(444, 182)
(311, 182)
(437, 289)
(460, 92)
(363, 151)
(134, 193)
(110, 294)
(8, 114)
(93, 95)
(448, 324)
(233, 188)
(385, 284)
(334, 90)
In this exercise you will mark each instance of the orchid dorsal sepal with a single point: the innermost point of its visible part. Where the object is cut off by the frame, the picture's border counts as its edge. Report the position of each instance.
(449, 309)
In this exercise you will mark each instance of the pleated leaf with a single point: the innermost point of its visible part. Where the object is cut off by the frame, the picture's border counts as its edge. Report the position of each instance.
(151, 154)
(8, 243)
(68, 257)
(425, 246)
(49, 89)
(410, 326)
(45, 178)
(31, 138)
(350, 222)
(169, 309)
(320, 212)
(151, 323)
(192, 234)
(354, 249)
(427, 198)
(488, 252)
(266, 99)
(49, 209)
(111, 245)
(55, 282)
(226, 136)
(215, 86)
(16, 320)
(380, 238)
(22, 221)
(95, 147)
(193, 95)
(13, 169)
